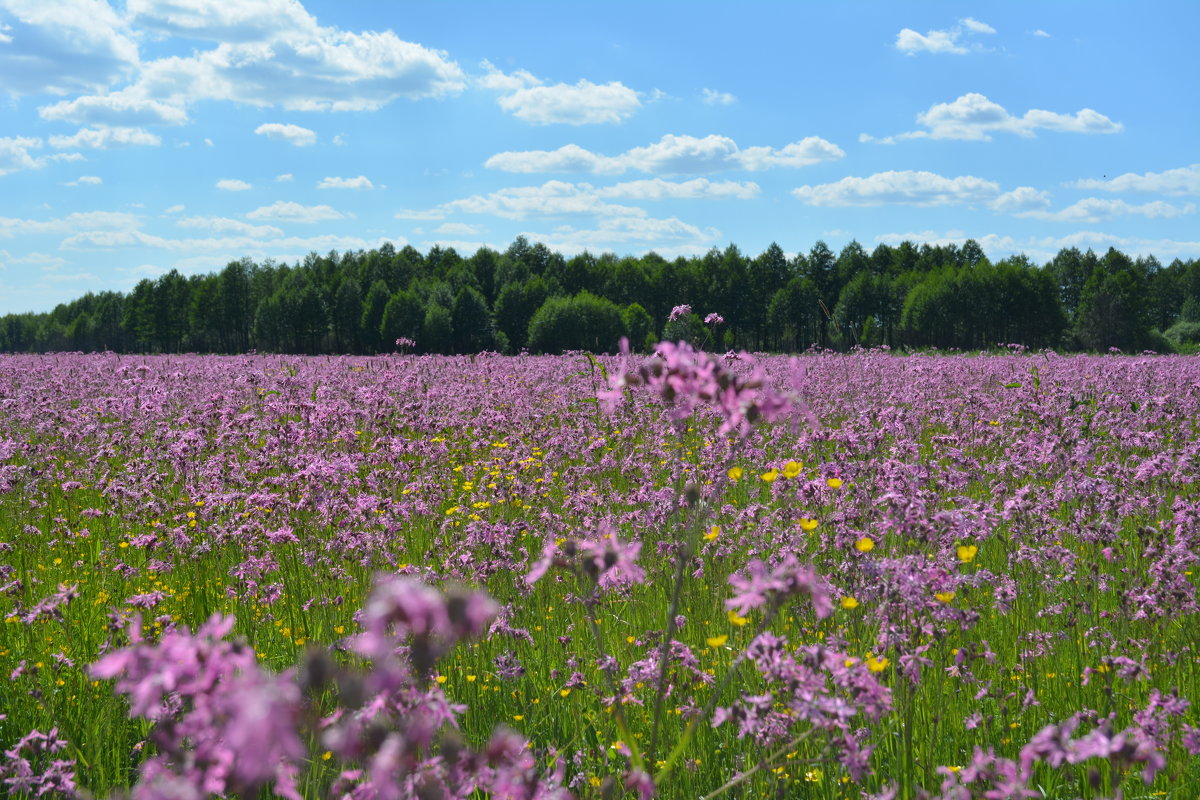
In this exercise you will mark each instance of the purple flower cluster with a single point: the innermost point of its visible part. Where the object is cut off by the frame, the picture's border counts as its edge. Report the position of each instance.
(31, 768)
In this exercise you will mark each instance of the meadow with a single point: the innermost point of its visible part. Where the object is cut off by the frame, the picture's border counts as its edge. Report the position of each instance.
(829, 576)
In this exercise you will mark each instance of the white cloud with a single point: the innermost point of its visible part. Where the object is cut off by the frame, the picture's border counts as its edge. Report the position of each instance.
(432, 214)
(553, 198)
(459, 229)
(904, 187)
(560, 198)
(85, 180)
(670, 155)
(1043, 248)
(1178, 181)
(218, 21)
(15, 155)
(658, 189)
(527, 97)
(975, 26)
(584, 103)
(175, 209)
(288, 211)
(292, 134)
(233, 185)
(808, 151)
(1041, 34)
(1023, 198)
(79, 221)
(715, 98)
(102, 138)
(361, 182)
(286, 177)
(226, 225)
(1095, 209)
(974, 117)
(505, 82)
(568, 158)
(669, 236)
(910, 42)
(63, 47)
(123, 109)
(272, 53)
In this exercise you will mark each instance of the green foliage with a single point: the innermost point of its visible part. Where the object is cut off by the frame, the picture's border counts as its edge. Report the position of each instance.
(639, 326)
(582, 322)
(946, 296)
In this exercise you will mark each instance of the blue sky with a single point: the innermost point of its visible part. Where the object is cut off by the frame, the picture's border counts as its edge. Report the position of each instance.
(146, 135)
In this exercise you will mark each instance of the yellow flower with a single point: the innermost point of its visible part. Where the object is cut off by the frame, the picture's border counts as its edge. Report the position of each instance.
(877, 664)
(807, 524)
(326, 755)
(563, 692)
(735, 473)
(440, 679)
(849, 603)
(966, 553)
(470, 679)
(716, 641)
(944, 597)
(864, 545)
(736, 618)
(713, 533)
(834, 483)
(770, 475)
(518, 717)
(792, 468)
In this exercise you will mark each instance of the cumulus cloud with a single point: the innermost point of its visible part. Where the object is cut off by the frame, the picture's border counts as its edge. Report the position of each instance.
(659, 189)
(459, 229)
(583, 103)
(551, 199)
(715, 98)
(1096, 209)
(361, 182)
(670, 236)
(286, 177)
(974, 117)
(103, 137)
(292, 134)
(561, 198)
(110, 221)
(1178, 181)
(226, 225)
(233, 185)
(63, 47)
(529, 98)
(123, 109)
(671, 155)
(950, 41)
(85, 180)
(1023, 198)
(907, 187)
(265, 53)
(1043, 248)
(431, 214)
(289, 211)
(15, 155)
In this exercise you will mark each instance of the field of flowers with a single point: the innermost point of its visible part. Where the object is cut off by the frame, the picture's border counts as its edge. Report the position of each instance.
(835, 576)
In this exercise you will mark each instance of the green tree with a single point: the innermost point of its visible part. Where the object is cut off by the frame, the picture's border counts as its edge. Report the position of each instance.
(582, 322)
(372, 317)
(437, 330)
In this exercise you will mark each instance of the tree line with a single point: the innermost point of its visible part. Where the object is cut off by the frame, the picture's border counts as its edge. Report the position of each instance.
(531, 298)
